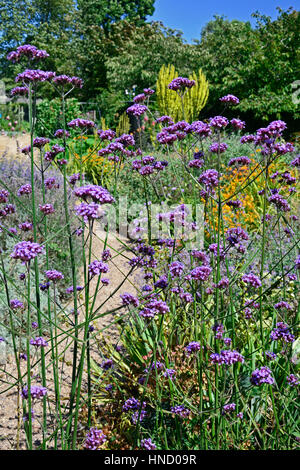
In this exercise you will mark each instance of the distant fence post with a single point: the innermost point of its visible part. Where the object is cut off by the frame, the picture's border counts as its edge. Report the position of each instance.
(3, 97)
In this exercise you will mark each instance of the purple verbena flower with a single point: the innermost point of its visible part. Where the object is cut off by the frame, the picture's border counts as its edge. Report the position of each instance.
(25, 189)
(36, 391)
(181, 83)
(227, 357)
(26, 251)
(229, 408)
(261, 376)
(97, 267)
(16, 304)
(292, 380)
(95, 438)
(231, 99)
(148, 444)
(39, 341)
(54, 275)
(181, 411)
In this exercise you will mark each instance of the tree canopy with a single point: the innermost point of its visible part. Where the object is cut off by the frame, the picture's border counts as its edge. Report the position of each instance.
(110, 44)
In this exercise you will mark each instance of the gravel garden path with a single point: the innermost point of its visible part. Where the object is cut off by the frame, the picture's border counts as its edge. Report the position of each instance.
(11, 146)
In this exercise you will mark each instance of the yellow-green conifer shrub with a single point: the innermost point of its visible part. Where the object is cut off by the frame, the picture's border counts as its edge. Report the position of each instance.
(103, 124)
(123, 125)
(169, 102)
(196, 98)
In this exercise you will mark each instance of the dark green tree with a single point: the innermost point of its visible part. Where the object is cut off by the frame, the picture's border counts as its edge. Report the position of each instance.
(258, 64)
(95, 21)
(104, 13)
(138, 52)
(46, 24)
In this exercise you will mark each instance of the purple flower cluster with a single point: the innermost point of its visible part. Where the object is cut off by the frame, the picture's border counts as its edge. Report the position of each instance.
(229, 408)
(218, 148)
(165, 120)
(282, 305)
(139, 98)
(96, 193)
(106, 255)
(4, 196)
(34, 76)
(16, 304)
(282, 332)
(25, 189)
(88, 211)
(81, 123)
(227, 357)
(126, 140)
(60, 133)
(46, 208)
(129, 299)
(97, 267)
(73, 178)
(36, 391)
(170, 374)
(25, 226)
(54, 275)
(39, 341)
(201, 273)
(270, 356)
(239, 161)
(63, 80)
(219, 329)
(218, 122)
(29, 51)
(70, 289)
(209, 178)
(138, 416)
(201, 129)
(148, 444)
(292, 380)
(235, 235)
(196, 163)
(154, 307)
(267, 136)
(176, 268)
(51, 154)
(262, 376)
(181, 411)
(6, 210)
(19, 91)
(40, 142)
(251, 280)
(137, 109)
(247, 138)
(94, 439)
(231, 99)
(279, 202)
(107, 364)
(107, 134)
(51, 183)
(26, 251)
(237, 123)
(133, 404)
(151, 165)
(181, 83)
(193, 346)
(296, 162)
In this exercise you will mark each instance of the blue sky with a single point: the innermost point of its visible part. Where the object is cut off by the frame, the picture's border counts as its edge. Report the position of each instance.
(191, 15)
